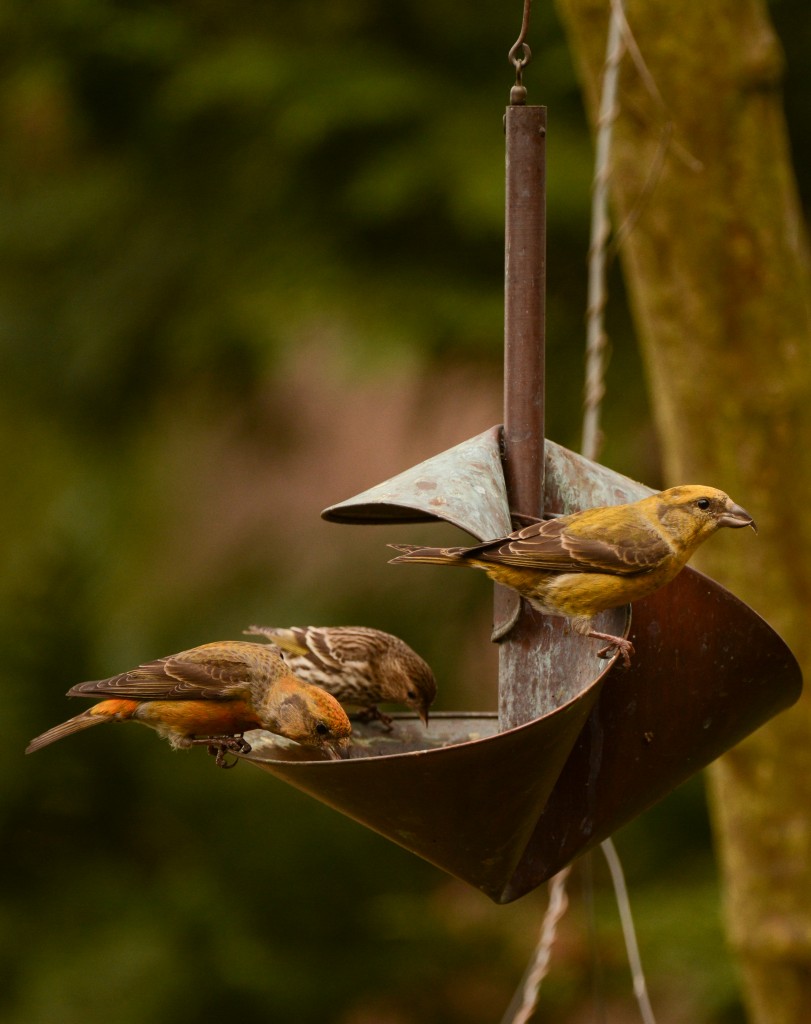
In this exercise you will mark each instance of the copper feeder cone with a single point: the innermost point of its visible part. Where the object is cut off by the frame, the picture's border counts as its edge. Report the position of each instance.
(707, 672)
(505, 810)
(463, 486)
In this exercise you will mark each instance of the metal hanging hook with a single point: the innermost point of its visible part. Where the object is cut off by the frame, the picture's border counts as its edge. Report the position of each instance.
(518, 93)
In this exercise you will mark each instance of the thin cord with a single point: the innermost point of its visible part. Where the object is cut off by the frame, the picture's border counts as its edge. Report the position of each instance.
(667, 143)
(624, 905)
(620, 39)
(525, 1000)
(596, 338)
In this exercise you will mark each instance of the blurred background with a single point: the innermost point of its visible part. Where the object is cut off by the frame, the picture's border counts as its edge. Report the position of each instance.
(251, 263)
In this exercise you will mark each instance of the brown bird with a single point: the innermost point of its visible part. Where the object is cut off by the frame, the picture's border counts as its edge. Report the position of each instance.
(358, 665)
(211, 695)
(581, 564)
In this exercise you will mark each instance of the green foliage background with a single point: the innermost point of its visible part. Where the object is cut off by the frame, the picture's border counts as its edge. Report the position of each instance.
(251, 263)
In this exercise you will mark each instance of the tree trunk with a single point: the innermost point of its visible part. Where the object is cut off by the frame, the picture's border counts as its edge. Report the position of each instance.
(718, 272)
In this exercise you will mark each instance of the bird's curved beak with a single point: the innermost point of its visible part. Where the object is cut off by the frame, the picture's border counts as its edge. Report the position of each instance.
(737, 517)
(338, 750)
(423, 713)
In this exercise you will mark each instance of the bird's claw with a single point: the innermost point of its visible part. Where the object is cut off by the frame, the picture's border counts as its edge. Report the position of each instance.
(614, 644)
(620, 646)
(220, 746)
(234, 745)
(372, 714)
(219, 755)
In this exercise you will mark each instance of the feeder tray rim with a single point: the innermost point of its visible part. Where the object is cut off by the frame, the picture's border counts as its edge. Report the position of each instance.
(447, 715)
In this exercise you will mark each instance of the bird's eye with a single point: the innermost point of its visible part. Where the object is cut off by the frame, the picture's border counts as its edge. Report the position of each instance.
(322, 729)
(703, 503)
(411, 695)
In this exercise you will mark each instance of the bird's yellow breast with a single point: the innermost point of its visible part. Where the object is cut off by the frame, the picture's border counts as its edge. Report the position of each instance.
(582, 594)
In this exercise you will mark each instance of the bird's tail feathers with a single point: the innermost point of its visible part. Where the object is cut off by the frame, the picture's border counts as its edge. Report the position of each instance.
(268, 632)
(432, 556)
(104, 711)
(76, 724)
(289, 641)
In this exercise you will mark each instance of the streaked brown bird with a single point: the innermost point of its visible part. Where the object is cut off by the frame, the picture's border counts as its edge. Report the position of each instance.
(211, 695)
(358, 665)
(581, 564)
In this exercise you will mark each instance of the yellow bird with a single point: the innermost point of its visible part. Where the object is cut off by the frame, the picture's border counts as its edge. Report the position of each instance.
(581, 564)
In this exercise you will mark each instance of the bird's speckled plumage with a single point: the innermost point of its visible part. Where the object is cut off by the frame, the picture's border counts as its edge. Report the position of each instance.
(215, 692)
(581, 564)
(357, 665)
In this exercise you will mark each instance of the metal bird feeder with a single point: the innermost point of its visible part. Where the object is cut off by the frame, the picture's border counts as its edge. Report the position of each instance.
(579, 747)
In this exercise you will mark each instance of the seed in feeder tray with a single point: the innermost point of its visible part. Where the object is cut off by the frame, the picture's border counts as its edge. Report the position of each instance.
(358, 665)
(211, 695)
(582, 564)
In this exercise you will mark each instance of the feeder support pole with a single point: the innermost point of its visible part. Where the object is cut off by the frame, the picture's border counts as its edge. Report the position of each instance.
(523, 437)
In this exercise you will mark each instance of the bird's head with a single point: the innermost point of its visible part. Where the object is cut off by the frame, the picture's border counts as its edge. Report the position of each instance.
(406, 679)
(692, 512)
(314, 718)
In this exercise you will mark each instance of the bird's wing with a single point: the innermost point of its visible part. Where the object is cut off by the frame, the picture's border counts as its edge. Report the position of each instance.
(185, 676)
(343, 645)
(324, 648)
(581, 543)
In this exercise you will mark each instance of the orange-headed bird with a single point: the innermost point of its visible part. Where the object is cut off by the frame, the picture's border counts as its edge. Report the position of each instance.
(212, 695)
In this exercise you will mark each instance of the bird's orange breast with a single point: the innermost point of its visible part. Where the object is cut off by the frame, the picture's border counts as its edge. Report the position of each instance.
(198, 717)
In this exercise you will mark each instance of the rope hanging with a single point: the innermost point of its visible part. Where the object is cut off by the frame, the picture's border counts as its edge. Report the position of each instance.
(596, 337)
(526, 997)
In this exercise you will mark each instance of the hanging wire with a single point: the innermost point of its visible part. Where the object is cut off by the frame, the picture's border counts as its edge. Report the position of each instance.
(518, 93)
(666, 144)
(525, 1000)
(620, 39)
(596, 337)
(628, 931)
